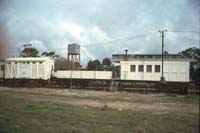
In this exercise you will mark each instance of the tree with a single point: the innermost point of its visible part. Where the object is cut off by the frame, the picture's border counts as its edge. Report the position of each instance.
(29, 52)
(61, 63)
(193, 53)
(50, 54)
(94, 65)
(106, 63)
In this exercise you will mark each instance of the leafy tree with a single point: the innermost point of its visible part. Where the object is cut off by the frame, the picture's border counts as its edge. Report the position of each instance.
(94, 65)
(193, 53)
(106, 63)
(61, 63)
(29, 52)
(50, 54)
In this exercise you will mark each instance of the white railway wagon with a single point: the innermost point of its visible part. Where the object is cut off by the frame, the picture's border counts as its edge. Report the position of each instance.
(29, 68)
(100, 75)
(149, 67)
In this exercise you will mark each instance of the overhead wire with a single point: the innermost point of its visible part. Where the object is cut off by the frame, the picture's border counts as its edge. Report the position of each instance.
(186, 31)
(120, 40)
(106, 43)
(90, 58)
(112, 41)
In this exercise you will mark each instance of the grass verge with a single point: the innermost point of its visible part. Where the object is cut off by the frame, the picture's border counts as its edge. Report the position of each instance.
(20, 115)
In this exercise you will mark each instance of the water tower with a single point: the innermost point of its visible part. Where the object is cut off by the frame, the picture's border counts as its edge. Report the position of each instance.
(74, 56)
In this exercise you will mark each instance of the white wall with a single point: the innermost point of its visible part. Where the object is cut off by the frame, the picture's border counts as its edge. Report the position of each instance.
(84, 74)
(173, 71)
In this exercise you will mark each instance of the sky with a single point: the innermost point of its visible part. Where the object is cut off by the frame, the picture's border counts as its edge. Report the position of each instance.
(101, 27)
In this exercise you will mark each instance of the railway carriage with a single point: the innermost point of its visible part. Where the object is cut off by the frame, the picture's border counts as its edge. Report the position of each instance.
(149, 67)
(29, 68)
(35, 70)
(147, 71)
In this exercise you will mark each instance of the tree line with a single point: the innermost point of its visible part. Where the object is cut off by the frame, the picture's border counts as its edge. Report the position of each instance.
(61, 63)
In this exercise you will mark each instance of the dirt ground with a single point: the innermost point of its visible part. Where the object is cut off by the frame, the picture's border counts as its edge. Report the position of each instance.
(151, 103)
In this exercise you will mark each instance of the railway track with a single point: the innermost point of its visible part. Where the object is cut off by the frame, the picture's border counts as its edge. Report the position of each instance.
(191, 88)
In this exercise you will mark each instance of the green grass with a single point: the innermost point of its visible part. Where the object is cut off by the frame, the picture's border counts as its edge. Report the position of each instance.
(20, 115)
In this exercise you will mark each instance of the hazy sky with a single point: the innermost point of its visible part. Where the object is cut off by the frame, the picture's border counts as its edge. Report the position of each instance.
(52, 24)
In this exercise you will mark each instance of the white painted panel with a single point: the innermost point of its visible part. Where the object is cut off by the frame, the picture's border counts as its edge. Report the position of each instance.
(174, 68)
(23, 71)
(34, 71)
(76, 74)
(166, 75)
(132, 75)
(103, 74)
(84, 74)
(124, 75)
(174, 76)
(183, 76)
(88, 74)
(8, 71)
(63, 74)
(148, 76)
(140, 76)
(156, 76)
(165, 67)
(41, 69)
(183, 68)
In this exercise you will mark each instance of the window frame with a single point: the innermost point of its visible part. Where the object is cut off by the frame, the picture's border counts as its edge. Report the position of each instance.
(156, 69)
(139, 68)
(132, 68)
(149, 70)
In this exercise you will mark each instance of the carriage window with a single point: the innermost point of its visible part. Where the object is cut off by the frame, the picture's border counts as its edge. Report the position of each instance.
(33, 62)
(40, 62)
(157, 68)
(132, 68)
(149, 68)
(141, 68)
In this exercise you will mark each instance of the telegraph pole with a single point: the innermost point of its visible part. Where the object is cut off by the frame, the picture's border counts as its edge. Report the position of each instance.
(162, 79)
(199, 31)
